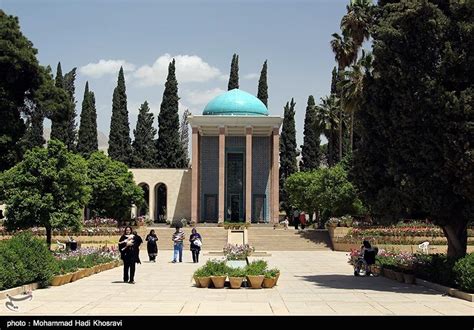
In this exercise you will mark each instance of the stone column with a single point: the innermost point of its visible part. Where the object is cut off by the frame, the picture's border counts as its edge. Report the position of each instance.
(151, 202)
(221, 216)
(195, 176)
(275, 175)
(248, 174)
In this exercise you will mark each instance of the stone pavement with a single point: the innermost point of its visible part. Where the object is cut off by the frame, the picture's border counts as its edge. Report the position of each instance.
(311, 283)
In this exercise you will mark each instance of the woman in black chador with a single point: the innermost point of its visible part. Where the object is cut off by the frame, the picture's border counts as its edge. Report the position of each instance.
(151, 245)
(129, 248)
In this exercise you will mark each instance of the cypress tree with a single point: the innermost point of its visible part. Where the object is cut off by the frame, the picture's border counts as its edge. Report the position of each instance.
(310, 149)
(262, 85)
(63, 115)
(119, 137)
(184, 132)
(169, 148)
(143, 147)
(34, 127)
(87, 137)
(69, 81)
(234, 73)
(288, 162)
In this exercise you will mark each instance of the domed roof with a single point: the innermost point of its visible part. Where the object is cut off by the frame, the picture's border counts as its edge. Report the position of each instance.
(235, 103)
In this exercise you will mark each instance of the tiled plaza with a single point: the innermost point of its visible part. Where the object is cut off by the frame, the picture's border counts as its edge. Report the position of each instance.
(312, 283)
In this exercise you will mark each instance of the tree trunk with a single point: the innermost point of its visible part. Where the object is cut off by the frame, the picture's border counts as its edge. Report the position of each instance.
(456, 234)
(340, 133)
(331, 146)
(48, 237)
(352, 131)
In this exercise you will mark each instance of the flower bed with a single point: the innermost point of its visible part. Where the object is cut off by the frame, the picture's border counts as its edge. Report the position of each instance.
(237, 251)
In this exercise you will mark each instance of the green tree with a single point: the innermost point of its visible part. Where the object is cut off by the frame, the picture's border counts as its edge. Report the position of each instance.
(170, 150)
(20, 74)
(328, 112)
(71, 129)
(298, 188)
(415, 152)
(63, 112)
(113, 188)
(262, 85)
(119, 137)
(87, 142)
(288, 153)
(234, 73)
(184, 134)
(48, 189)
(310, 149)
(357, 23)
(143, 147)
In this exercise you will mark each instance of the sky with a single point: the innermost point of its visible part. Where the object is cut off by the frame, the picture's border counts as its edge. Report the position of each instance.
(97, 37)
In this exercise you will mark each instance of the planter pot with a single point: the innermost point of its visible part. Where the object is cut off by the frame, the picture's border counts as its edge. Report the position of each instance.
(57, 280)
(77, 275)
(204, 282)
(218, 281)
(196, 280)
(376, 270)
(409, 278)
(269, 282)
(276, 278)
(399, 277)
(255, 281)
(67, 278)
(236, 282)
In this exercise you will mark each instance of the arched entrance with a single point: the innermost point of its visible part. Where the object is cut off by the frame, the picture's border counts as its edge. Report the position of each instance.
(161, 192)
(143, 210)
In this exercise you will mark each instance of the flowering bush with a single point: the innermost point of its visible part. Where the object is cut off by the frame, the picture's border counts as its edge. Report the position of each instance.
(100, 222)
(70, 261)
(237, 251)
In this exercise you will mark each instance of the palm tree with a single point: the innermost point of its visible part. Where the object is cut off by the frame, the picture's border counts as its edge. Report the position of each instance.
(357, 22)
(352, 86)
(327, 115)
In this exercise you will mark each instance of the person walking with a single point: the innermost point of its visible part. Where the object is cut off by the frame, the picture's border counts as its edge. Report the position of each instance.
(151, 245)
(178, 239)
(128, 247)
(296, 218)
(196, 244)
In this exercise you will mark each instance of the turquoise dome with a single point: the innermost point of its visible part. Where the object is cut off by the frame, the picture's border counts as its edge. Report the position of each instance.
(235, 103)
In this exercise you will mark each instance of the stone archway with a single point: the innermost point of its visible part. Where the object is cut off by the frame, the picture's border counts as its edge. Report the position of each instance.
(144, 209)
(161, 196)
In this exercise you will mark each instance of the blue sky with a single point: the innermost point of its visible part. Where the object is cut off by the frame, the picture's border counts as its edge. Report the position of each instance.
(99, 36)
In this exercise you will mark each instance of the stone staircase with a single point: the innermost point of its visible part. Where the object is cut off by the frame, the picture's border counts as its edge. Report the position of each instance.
(263, 238)
(269, 239)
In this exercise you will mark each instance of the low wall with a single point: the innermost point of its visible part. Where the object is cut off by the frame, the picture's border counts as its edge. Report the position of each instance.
(347, 247)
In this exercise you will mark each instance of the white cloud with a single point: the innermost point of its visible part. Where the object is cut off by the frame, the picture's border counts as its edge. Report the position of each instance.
(197, 97)
(104, 67)
(224, 77)
(251, 76)
(189, 68)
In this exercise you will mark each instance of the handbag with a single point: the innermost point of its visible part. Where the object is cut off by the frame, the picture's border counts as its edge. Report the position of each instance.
(197, 242)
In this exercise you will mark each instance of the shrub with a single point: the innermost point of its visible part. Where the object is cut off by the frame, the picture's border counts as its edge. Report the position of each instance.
(257, 267)
(236, 272)
(25, 259)
(435, 268)
(202, 272)
(217, 268)
(272, 273)
(464, 273)
(237, 251)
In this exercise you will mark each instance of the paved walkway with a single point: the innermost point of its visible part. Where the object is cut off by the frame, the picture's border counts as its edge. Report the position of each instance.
(312, 283)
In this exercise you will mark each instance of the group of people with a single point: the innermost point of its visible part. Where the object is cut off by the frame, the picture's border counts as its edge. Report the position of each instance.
(129, 247)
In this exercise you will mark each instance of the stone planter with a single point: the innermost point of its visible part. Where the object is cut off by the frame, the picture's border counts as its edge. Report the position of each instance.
(204, 282)
(269, 282)
(409, 278)
(218, 281)
(255, 281)
(399, 277)
(77, 275)
(67, 278)
(236, 282)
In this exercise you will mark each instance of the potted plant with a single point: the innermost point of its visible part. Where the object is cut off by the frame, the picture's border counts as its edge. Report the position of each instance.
(236, 277)
(270, 278)
(255, 273)
(202, 275)
(218, 271)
